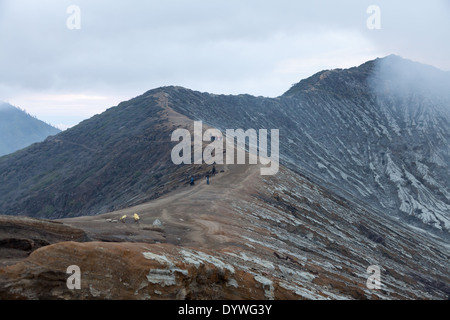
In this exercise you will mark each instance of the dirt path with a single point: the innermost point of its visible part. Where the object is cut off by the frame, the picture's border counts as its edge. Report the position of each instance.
(196, 215)
(192, 215)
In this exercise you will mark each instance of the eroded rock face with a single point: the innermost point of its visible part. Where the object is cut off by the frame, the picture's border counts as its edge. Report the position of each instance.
(243, 236)
(135, 271)
(19, 236)
(279, 237)
(372, 133)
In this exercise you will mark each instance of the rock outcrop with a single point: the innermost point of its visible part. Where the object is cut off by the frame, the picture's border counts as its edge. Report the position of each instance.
(278, 237)
(133, 271)
(19, 236)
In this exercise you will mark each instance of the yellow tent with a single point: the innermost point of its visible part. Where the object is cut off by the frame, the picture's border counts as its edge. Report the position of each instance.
(136, 217)
(123, 218)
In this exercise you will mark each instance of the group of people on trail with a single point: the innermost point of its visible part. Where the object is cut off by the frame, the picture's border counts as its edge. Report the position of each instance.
(136, 218)
(213, 172)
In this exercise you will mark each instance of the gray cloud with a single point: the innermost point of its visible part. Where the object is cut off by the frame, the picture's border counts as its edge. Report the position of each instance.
(256, 47)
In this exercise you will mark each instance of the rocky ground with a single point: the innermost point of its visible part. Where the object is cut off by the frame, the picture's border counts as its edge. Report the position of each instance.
(244, 236)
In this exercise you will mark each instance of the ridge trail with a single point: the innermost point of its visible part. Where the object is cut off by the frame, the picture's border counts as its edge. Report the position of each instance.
(190, 215)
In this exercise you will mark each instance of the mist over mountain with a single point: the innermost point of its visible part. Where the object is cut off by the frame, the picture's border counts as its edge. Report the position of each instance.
(377, 134)
(19, 130)
(363, 181)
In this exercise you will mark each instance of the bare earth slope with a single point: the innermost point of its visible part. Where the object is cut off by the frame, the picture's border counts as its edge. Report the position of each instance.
(244, 236)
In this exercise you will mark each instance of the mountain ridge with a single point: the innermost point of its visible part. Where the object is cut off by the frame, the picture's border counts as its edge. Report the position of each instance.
(243, 236)
(349, 164)
(349, 137)
(18, 129)
(380, 118)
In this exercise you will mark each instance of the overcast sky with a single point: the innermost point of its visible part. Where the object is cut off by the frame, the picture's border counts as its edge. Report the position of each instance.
(124, 48)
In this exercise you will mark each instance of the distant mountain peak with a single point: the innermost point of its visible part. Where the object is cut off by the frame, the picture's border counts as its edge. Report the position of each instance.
(18, 129)
(6, 106)
(400, 75)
